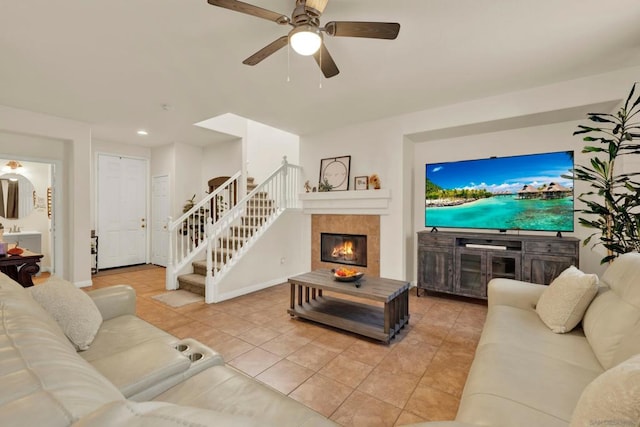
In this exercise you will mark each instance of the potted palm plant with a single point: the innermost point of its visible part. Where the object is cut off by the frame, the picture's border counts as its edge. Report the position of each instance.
(612, 204)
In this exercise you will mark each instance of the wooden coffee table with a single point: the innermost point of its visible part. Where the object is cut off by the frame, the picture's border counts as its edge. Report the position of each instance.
(379, 322)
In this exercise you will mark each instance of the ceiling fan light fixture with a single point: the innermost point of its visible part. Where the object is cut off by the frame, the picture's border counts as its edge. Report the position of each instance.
(305, 39)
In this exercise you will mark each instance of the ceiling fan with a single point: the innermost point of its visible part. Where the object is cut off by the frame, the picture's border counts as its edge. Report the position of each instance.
(306, 35)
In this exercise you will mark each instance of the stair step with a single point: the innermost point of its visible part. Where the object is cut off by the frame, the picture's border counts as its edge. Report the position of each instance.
(254, 221)
(194, 283)
(200, 267)
(234, 243)
(251, 185)
(259, 210)
(261, 203)
(223, 255)
(260, 195)
(242, 230)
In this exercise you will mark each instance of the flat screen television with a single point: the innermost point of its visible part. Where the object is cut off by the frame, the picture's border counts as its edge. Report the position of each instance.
(524, 192)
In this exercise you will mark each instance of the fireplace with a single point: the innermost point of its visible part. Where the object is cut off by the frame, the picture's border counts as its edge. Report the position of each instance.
(349, 249)
(366, 225)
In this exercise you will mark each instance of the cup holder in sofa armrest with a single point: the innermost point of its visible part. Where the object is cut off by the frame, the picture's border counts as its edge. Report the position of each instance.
(198, 356)
(198, 353)
(182, 348)
(194, 357)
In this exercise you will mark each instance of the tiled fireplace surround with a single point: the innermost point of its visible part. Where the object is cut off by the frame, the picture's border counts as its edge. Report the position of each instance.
(347, 212)
(368, 225)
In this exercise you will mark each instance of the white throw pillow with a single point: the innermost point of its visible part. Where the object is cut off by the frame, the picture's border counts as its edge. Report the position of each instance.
(612, 399)
(563, 304)
(74, 310)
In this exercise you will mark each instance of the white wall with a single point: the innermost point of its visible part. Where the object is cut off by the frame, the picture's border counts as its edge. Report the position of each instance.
(539, 139)
(374, 147)
(119, 149)
(265, 148)
(221, 159)
(479, 128)
(31, 147)
(188, 176)
(276, 256)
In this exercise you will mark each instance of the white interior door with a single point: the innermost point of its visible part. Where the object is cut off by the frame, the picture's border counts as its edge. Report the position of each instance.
(159, 215)
(122, 218)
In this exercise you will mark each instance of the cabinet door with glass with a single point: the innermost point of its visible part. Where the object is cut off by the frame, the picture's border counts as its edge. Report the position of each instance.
(504, 265)
(477, 267)
(471, 277)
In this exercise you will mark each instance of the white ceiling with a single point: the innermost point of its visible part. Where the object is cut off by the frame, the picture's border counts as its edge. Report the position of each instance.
(116, 63)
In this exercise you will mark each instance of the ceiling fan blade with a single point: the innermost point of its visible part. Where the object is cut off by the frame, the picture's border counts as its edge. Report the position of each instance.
(250, 9)
(266, 51)
(372, 30)
(318, 5)
(326, 62)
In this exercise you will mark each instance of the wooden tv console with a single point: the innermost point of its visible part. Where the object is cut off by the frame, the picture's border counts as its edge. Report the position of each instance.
(463, 263)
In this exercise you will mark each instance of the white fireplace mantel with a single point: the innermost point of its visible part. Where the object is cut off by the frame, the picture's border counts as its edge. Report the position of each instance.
(361, 202)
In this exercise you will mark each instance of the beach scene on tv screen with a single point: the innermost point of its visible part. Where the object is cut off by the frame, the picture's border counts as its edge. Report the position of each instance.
(506, 193)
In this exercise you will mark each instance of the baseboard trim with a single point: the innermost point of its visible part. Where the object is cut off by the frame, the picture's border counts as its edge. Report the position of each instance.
(83, 284)
(254, 288)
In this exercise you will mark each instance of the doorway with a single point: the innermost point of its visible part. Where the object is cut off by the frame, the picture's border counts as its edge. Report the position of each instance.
(122, 211)
(27, 210)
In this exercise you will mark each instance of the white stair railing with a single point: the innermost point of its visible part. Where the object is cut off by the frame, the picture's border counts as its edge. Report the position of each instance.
(230, 237)
(224, 237)
(187, 234)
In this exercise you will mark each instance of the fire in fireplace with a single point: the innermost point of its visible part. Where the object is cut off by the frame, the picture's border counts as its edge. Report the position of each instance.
(349, 249)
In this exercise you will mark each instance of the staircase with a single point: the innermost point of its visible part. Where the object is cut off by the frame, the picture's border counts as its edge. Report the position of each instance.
(259, 209)
(226, 236)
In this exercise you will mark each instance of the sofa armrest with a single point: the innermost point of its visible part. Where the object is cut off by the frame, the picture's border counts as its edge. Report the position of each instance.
(514, 293)
(159, 414)
(142, 366)
(114, 301)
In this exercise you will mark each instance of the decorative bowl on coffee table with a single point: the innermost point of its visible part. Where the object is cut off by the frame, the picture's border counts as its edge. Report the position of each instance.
(351, 278)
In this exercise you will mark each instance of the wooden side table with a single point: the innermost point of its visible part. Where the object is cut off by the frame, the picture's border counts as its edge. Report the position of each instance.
(21, 267)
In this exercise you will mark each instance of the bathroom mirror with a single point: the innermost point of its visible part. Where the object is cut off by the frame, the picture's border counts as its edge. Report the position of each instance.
(17, 196)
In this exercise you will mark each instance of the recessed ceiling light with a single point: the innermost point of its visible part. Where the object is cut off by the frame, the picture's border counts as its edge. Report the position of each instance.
(143, 132)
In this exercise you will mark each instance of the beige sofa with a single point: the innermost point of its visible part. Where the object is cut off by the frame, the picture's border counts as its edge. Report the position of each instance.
(527, 376)
(132, 374)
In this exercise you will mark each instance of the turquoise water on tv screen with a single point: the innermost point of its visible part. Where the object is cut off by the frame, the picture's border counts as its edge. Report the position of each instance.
(505, 213)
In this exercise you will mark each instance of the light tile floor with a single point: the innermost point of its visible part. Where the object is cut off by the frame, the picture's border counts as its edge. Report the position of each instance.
(352, 380)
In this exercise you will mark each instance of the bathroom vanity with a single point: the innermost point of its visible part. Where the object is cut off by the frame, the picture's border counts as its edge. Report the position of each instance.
(30, 240)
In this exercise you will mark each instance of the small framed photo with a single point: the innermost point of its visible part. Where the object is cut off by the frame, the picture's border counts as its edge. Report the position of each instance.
(361, 182)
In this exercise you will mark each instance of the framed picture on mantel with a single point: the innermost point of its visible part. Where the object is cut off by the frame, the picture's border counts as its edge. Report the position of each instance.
(361, 182)
(335, 171)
